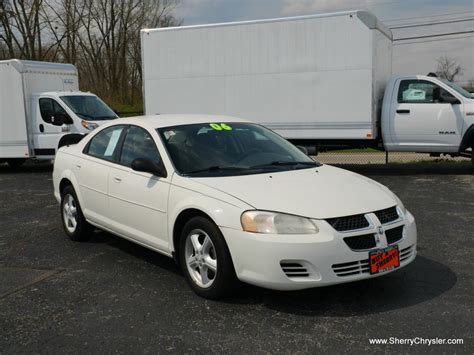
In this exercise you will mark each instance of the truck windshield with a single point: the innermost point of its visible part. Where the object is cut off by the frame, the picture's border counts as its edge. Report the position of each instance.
(459, 89)
(89, 107)
(227, 149)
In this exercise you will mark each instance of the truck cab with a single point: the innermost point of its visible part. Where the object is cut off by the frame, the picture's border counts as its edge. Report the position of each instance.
(60, 112)
(39, 103)
(427, 114)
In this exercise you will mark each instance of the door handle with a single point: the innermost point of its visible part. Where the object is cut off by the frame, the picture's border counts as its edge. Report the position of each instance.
(78, 166)
(403, 111)
(117, 179)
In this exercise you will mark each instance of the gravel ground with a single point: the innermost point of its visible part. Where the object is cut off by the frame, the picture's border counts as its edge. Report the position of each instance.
(109, 295)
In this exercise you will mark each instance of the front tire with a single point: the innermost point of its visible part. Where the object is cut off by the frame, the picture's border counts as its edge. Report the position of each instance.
(74, 223)
(205, 259)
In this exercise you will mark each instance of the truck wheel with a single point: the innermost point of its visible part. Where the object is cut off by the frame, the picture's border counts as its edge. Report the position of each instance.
(15, 163)
(205, 259)
(74, 223)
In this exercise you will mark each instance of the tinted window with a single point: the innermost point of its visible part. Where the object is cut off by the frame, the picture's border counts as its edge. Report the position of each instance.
(420, 91)
(104, 143)
(48, 108)
(138, 144)
(230, 149)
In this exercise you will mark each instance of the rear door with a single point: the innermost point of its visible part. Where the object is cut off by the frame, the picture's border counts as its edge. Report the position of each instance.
(138, 201)
(93, 171)
(421, 121)
(46, 134)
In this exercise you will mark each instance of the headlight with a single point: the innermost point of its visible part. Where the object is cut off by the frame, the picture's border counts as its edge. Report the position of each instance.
(400, 204)
(89, 125)
(276, 223)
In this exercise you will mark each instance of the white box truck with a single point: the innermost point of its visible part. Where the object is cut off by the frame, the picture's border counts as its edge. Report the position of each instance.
(321, 81)
(39, 103)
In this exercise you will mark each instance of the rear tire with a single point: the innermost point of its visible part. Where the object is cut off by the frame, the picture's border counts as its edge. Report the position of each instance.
(15, 163)
(205, 259)
(74, 223)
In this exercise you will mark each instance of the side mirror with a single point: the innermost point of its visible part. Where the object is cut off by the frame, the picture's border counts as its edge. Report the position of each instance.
(303, 149)
(58, 119)
(149, 166)
(436, 94)
(449, 100)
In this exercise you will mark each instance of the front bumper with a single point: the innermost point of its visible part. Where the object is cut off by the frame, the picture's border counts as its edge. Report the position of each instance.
(267, 260)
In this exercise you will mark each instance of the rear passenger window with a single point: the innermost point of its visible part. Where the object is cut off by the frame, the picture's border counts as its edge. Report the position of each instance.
(104, 144)
(138, 144)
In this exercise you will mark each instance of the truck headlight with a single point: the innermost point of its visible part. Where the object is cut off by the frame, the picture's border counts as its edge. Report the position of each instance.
(89, 125)
(276, 223)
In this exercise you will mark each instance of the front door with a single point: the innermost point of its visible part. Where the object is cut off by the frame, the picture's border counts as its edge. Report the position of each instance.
(421, 121)
(138, 201)
(46, 134)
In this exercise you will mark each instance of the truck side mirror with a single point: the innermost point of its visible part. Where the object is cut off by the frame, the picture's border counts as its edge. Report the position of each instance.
(449, 100)
(436, 94)
(303, 149)
(61, 118)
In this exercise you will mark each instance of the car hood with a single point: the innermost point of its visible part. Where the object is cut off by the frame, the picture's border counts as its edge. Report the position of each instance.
(323, 192)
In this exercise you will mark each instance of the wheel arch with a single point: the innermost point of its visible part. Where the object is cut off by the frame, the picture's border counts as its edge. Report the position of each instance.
(68, 179)
(64, 183)
(181, 219)
(468, 139)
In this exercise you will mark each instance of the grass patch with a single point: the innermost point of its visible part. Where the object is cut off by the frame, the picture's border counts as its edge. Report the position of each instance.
(129, 110)
(355, 150)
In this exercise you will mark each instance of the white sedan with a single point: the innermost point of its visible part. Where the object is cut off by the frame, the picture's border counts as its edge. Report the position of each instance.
(231, 200)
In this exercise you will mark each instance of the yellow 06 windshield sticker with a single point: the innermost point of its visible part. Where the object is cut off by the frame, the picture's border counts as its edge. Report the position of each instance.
(220, 126)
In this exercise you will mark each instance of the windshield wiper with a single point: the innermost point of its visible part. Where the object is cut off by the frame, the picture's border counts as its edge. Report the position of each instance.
(84, 114)
(286, 163)
(106, 118)
(217, 168)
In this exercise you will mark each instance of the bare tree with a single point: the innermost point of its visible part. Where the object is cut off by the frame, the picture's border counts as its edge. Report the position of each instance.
(448, 68)
(22, 28)
(101, 37)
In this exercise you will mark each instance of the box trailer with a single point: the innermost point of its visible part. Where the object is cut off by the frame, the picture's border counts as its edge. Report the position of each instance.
(288, 74)
(321, 80)
(39, 103)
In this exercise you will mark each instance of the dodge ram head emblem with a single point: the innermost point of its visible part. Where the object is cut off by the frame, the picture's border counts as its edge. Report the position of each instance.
(380, 230)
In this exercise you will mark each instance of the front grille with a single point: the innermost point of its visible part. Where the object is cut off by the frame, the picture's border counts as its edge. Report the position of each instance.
(388, 215)
(343, 224)
(394, 235)
(361, 242)
(292, 269)
(362, 266)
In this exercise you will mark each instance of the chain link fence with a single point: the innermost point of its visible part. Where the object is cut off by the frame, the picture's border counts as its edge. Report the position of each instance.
(371, 157)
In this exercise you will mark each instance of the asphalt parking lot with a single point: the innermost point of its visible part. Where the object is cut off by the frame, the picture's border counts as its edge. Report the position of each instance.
(109, 295)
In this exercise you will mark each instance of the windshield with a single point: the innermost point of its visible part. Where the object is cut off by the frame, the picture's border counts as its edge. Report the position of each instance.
(224, 149)
(90, 108)
(459, 89)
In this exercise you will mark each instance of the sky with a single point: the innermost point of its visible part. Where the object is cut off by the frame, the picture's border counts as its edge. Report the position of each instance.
(409, 57)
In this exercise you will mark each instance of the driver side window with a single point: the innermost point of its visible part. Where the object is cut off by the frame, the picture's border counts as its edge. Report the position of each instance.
(421, 92)
(49, 108)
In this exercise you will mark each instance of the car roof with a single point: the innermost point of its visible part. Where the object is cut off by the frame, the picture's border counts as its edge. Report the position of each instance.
(66, 93)
(169, 120)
